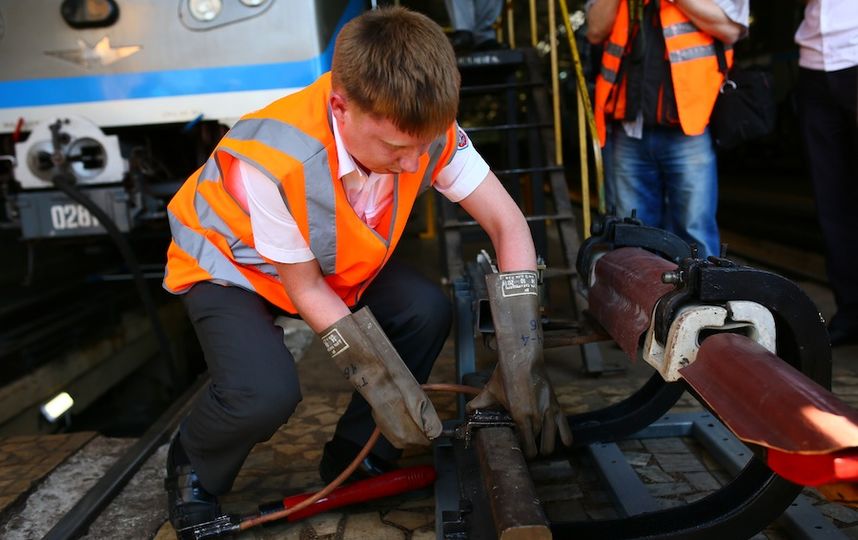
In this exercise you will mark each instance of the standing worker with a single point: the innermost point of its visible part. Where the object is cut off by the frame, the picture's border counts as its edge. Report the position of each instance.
(656, 90)
(827, 97)
(298, 210)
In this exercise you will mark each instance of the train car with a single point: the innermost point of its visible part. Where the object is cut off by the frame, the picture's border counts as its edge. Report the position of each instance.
(124, 98)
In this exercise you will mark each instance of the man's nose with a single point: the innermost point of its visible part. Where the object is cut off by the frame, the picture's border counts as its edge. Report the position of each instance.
(410, 162)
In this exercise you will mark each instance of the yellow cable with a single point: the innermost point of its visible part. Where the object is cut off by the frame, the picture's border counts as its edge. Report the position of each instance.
(510, 23)
(588, 110)
(555, 85)
(585, 173)
(533, 38)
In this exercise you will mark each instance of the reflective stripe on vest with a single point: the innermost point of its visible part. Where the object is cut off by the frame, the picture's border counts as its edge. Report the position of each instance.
(208, 256)
(435, 151)
(209, 219)
(693, 66)
(320, 195)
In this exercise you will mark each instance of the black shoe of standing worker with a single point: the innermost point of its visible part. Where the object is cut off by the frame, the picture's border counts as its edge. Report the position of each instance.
(338, 455)
(188, 502)
(462, 41)
(489, 45)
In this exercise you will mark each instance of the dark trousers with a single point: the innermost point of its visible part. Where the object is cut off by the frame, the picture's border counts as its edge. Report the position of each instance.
(254, 383)
(827, 103)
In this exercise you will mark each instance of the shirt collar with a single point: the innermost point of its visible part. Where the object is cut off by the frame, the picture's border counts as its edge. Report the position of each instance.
(346, 161)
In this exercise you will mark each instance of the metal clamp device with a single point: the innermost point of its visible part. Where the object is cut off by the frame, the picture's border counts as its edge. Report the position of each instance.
(692, 322)
(482, 418)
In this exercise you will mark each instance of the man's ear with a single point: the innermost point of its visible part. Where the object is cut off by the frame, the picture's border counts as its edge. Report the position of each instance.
(339, 104)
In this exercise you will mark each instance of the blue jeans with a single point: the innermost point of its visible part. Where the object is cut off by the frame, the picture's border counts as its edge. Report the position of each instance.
(476, 16)
(670, 178)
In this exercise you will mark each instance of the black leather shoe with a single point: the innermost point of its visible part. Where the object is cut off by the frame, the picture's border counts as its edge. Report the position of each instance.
(188, 502)
(490, 45)
(462, 41)
(338, 455)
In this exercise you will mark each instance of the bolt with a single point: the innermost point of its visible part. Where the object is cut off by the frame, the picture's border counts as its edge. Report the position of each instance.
(673, 276)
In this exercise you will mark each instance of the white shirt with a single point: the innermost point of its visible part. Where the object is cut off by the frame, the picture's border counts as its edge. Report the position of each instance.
(275, 233)
(828, 35)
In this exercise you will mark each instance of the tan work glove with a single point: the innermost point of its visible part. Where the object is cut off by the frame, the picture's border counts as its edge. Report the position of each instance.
(369, 361)
(519, 382)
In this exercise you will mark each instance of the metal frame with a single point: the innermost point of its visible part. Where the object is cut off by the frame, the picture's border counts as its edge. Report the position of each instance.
(754, 498)
(757, 502)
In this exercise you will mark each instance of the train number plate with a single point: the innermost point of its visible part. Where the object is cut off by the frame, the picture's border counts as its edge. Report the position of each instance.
(71, 216)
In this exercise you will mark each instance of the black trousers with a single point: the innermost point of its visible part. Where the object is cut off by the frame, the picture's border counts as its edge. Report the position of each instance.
(254, 382)
(827, 103)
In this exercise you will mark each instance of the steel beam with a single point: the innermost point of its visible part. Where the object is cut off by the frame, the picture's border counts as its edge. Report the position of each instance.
(516, 510)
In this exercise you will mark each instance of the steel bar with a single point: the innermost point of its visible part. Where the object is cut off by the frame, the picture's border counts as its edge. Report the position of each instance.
(630, 494)
(464, 332)
(529, 170)
(488, 88)
(516, 511)
(506, 127)
(557, 217)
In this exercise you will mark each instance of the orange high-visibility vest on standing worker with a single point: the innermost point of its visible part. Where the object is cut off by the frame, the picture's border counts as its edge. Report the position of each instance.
(291, 142)
(693, 69)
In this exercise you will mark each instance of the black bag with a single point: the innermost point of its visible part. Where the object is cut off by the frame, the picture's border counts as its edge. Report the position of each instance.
(745, 109)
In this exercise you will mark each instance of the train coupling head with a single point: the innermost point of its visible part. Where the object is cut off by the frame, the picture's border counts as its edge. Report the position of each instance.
(220, 526)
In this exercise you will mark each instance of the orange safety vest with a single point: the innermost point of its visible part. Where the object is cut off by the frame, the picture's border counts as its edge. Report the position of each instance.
(291, 142)
(693, 69)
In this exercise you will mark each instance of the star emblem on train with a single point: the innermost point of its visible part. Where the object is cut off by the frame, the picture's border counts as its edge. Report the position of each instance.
(101, 54)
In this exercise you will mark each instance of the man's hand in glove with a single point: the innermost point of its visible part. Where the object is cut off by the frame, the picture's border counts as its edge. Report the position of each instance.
(369, 361)
(519, 382)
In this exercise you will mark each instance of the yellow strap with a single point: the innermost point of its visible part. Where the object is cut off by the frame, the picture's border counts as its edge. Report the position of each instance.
(585, 174)
(584, 96)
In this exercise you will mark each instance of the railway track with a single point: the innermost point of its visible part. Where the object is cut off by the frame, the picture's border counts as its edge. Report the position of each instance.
(75, 521)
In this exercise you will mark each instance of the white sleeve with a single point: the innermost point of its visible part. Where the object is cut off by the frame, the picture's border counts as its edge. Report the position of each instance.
(464, 173)
(737, 11)
(275, 232)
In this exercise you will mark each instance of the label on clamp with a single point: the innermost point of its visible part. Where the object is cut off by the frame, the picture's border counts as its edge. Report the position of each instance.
(518, 284)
